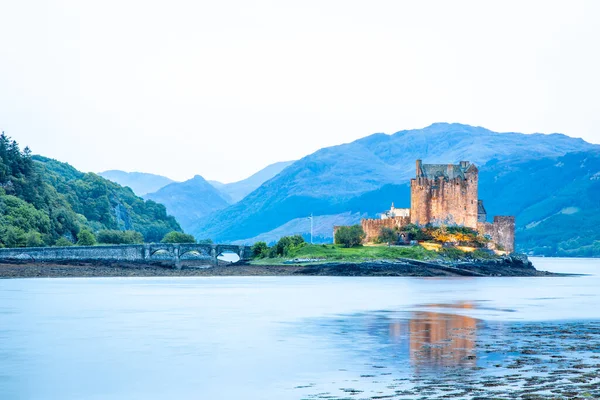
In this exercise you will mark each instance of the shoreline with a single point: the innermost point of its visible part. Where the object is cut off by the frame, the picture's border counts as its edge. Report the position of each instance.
(398, 268)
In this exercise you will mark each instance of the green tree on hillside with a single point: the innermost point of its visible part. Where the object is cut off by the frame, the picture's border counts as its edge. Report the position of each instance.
(34, 239)
(86, 238)
(178, 237)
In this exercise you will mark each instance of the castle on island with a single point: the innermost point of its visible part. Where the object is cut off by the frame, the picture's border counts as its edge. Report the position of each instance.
(446, 194)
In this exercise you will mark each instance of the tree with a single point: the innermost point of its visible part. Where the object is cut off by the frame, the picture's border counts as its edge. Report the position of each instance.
(34, 239)
(86, 238)
(178, 237)
(387, 235)
(13, 236)
(287, 243)
(260, 250)
(350, 236)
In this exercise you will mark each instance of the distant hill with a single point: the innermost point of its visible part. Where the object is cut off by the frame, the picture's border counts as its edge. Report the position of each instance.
(190, 200)
(44, 200)
(140, 182)
(238, 190)
(369, 172)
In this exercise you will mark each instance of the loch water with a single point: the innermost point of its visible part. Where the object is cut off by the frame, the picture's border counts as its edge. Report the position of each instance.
(301, 337)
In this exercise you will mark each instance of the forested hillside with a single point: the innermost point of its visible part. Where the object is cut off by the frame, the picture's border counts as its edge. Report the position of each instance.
(43, 201)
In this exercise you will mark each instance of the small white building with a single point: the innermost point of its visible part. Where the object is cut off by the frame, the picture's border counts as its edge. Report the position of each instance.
(396, 212)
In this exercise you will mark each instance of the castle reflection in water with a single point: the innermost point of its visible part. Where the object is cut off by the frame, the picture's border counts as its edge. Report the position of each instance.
(437, 340)
(432, 339)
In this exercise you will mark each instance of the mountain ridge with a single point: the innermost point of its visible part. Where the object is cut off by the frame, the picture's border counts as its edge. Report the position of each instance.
(236, 191)
(140, 182)
(189, 200)
(326, 180)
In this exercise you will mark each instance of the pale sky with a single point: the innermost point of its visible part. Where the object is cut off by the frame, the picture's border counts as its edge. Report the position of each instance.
(223, 88)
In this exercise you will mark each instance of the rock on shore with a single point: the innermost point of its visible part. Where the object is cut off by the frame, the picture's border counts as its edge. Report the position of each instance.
(512, 265)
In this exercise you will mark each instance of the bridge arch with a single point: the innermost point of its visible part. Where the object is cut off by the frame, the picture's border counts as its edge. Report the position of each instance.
(160, 251)
(24, 256)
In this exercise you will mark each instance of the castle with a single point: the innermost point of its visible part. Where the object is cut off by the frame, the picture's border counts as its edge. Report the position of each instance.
(443, 194)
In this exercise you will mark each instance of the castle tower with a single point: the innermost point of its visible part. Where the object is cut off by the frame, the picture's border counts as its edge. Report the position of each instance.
(445, 194)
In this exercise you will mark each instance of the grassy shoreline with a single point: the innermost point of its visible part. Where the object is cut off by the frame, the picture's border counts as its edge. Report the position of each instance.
(336, 253)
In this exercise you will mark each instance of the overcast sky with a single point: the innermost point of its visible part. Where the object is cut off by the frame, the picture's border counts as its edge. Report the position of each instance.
(223, 88)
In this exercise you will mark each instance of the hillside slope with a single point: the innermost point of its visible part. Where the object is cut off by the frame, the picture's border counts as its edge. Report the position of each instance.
(43, 200)
(105, 204)
(332, 180)
(236, 191)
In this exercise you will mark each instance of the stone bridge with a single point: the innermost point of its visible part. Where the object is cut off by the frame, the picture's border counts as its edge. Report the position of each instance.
(149, 253)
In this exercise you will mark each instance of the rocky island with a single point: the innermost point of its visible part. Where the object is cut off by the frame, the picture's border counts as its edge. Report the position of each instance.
(303, 260)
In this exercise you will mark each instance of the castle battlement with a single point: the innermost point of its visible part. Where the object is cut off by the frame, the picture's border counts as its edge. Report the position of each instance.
(444, 194)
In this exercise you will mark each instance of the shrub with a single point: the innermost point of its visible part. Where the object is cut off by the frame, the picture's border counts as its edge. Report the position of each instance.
(350, 236)
(483, 254)
(178, 237)
(86, 238)
(272, 252)
(416, 233)
(387, 235)
(453, 253)
(260, 250)
(120, 237)
(63, 242)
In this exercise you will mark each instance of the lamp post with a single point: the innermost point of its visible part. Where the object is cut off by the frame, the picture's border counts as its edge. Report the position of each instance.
(311, 228)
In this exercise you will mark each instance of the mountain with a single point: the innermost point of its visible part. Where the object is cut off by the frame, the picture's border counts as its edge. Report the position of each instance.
(189, 200)
(43, 200)
(140, 182)
(322, 228)
(556, 202)
(238, 190)
(371, 171)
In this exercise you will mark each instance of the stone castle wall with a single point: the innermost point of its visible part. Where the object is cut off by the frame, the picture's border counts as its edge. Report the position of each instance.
(372, 227)
(501, 231)
(451, 202)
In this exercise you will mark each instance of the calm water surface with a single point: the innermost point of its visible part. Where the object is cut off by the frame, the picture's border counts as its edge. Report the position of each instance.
(264, 337)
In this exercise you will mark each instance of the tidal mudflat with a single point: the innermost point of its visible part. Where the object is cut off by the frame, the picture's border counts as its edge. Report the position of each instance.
(434, 355)
(307, 337)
